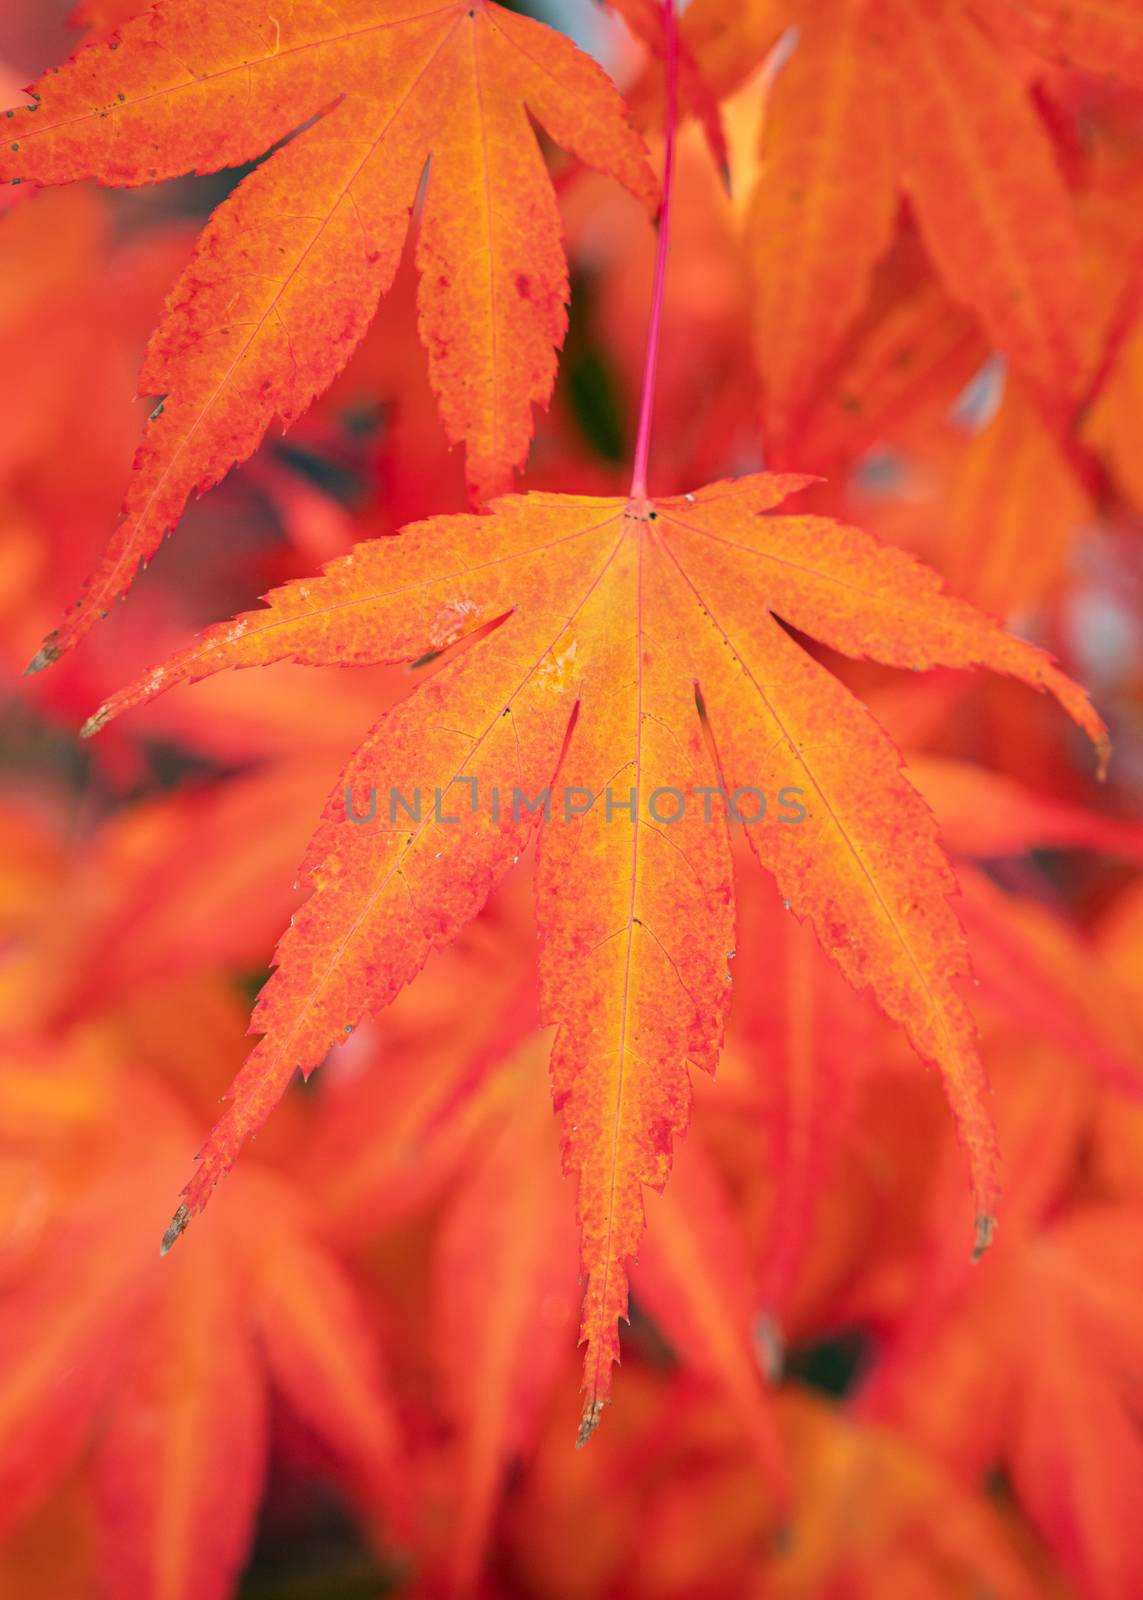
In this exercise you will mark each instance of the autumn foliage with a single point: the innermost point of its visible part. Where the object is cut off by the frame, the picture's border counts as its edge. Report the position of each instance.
(672, 480)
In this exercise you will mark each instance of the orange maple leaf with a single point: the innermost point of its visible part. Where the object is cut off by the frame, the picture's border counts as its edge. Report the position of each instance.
(682, 1511)
(694, 1278)
(810, 1041)
(165, 1378)
(504, 1300)
(289, 270)
(902, 368)
(991, 203)
(1099, 36)
(1055, 1410)
(827, 175)
(615, 646)
(647, 20)
(883, 97)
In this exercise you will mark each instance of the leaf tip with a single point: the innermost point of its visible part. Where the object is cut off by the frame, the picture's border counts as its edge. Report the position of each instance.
(782, 1539)
(1102, 755)
(178, 1226)
(589, 1421)
(95, 722)
(44, 656)
(985, 1233)
(770, 1347)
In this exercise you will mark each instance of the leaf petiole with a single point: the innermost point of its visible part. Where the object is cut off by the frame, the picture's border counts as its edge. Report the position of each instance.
(647, 404)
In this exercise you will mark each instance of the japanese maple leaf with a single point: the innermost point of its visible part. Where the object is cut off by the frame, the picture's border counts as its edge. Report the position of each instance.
(1100, 36)
(809, 1040)
(1037, 1350)
(631, 649)
(404, 1136)
(694, 1278)
(678, 1511)
(503, 1302)
(883, 97)
(647, 21)
(164, 1380)
(879, 1517)
(289, 270)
